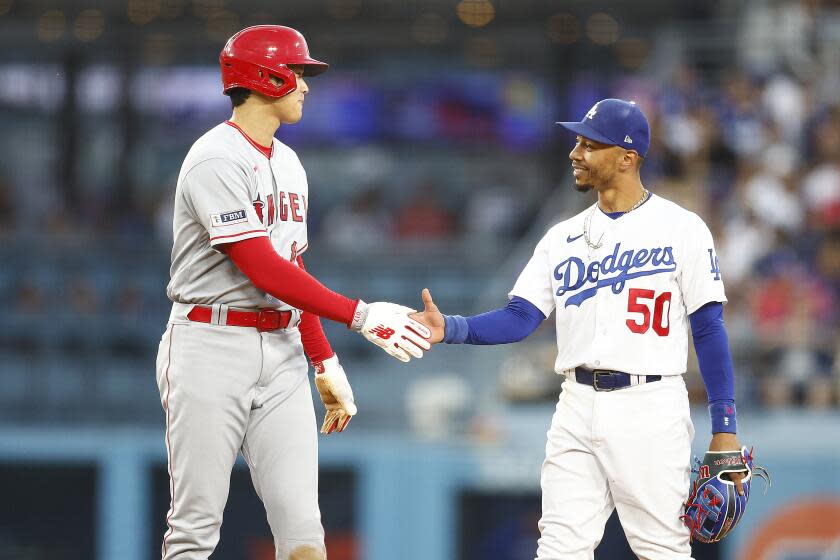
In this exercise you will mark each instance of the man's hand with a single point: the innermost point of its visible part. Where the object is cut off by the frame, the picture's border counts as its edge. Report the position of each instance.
(722, 441)
(388, 326)
(431, 317)
(336, 395)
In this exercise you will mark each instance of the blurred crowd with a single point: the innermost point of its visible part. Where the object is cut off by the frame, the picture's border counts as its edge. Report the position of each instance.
(759, 157)
(755, 150)
(752, 145)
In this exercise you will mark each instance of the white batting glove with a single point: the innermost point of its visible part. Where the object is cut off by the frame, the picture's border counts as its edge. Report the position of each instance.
(388, 326)
(336, 395)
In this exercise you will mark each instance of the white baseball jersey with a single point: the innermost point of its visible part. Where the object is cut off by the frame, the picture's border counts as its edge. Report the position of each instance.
(229, 190)
(624, 306)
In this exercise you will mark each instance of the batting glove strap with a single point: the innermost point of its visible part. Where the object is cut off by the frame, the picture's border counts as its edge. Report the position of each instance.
(320, 367)
(359, 316)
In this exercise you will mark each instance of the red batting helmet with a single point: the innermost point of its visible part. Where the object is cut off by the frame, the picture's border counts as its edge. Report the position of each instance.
(255, 53)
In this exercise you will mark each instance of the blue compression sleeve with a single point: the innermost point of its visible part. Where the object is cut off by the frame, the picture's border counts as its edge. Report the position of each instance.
(508, 324)
(712, 346)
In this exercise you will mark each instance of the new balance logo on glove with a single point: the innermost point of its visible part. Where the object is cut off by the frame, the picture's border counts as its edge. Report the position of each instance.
(382, 331)
(388, 326)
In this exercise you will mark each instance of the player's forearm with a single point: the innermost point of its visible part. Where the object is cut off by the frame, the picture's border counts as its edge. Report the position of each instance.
(712, 346)
(271, 273)
(511, 323)
(315, 343)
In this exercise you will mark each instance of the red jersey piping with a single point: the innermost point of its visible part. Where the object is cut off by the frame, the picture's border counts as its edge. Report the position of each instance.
(266, 151)
(238, 234)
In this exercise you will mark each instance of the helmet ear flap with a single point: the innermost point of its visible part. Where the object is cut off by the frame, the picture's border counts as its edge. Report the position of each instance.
(258, 78)
(283, 74)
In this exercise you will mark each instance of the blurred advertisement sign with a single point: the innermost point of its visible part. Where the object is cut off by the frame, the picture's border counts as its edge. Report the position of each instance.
(805, 529)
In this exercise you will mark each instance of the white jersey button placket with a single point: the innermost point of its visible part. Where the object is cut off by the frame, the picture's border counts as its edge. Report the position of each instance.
(600, 309)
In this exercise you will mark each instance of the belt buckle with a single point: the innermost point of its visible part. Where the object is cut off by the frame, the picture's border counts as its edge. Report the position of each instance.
(596, 385)
(268, 320)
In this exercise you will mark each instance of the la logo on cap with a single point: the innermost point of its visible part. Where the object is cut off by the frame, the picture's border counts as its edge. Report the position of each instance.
(592, 112)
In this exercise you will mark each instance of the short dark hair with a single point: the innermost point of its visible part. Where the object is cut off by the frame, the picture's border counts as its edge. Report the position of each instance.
(238, 95)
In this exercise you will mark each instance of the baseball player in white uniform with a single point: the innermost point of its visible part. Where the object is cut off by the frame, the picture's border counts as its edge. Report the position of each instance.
(231, 368)
(626, 277)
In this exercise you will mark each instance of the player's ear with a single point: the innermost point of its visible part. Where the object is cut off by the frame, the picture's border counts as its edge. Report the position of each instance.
(629, 161)
(623, 160)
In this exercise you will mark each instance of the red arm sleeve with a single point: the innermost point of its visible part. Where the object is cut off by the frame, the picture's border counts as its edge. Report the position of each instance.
(271, 273)
(315, 343)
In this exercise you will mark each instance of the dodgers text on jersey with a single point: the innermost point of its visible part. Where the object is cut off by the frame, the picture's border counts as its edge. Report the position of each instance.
(613, 270)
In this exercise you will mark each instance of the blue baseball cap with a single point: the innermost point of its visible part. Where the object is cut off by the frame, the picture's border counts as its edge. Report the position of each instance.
(615, 122)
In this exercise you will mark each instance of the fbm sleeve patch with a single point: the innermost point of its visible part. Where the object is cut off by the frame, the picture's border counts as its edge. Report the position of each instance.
(228, 218)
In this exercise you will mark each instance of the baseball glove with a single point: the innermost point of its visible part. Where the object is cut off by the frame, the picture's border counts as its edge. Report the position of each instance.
(714, 507)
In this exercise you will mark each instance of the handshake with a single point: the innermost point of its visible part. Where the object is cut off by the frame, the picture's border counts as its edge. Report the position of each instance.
(400, 331)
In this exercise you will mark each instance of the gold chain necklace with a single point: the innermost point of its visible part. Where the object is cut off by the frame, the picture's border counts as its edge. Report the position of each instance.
(588, 222)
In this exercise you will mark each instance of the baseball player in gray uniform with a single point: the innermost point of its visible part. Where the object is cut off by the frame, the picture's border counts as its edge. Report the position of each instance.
(625, 278)
(231, 368)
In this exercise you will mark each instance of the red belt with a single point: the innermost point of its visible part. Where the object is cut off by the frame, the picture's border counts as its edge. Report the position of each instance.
(263, 320)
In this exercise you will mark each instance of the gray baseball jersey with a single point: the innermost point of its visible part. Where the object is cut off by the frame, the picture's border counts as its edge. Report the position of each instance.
(229, 389)
(229, 191)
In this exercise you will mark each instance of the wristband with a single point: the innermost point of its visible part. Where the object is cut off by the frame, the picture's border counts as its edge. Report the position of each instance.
(455, 330)
(723, 417)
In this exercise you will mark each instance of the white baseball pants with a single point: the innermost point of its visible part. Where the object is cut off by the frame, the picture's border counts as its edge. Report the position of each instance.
(627, 450)
(228, 389)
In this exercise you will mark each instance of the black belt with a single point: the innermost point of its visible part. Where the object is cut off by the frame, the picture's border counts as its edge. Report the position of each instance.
(609, 380)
